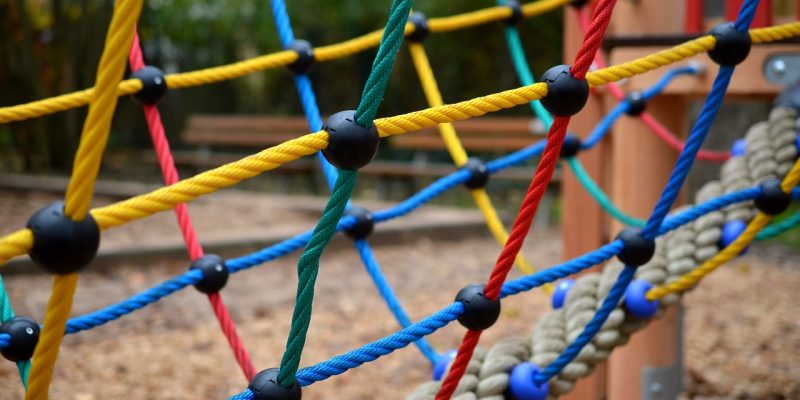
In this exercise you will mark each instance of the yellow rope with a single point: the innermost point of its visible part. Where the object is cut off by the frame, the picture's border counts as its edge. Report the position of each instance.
(229, 174)
(93, 141)
(15, 244)
(651, 62)
(210, 181)
(690, 279)
(459, 154)
(269, 61)
(44, 357)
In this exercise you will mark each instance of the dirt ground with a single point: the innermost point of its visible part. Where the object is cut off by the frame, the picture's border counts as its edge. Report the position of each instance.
(742, 327)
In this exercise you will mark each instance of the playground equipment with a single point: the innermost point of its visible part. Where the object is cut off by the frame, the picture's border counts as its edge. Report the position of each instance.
(64, 237)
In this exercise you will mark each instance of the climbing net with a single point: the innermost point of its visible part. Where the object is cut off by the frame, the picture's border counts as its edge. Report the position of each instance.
(63, 237)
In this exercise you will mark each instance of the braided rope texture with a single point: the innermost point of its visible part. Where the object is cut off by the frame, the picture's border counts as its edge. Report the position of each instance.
(770, 154)
(307, 270)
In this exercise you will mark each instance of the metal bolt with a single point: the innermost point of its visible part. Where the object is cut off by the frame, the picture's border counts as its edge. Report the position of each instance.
(779, 66)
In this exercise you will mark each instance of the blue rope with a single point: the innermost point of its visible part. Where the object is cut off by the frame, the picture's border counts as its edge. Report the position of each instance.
(311, 109)
(687, 156)
(137, 301)
(188, 278)
(387, 292)
(609, 304)
(604, 126)
(307, 97)
(653, 225)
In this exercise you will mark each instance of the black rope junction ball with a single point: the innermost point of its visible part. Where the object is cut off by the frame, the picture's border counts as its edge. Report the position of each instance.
(579, 3)
(636, 104)
(154, 85)
(421, 28)
(265, 386)
(305, 56)
(478, 173)
(24, 334)
(732, 46)
(480, 313)
(571, 147)
(61, 245)
(516, 12)
(350, 146)
(365, 222)
(773, 200)
(637, 250)
(566, 95)
(215, 273)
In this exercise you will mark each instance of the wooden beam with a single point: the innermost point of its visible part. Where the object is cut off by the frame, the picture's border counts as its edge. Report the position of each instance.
(583, 222)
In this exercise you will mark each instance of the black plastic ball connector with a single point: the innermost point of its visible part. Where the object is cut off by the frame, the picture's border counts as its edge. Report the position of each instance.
(636, 104)
(154, 85)
(24, 334)
(637, 250)
(61, 245)
(480, 313)
(215, 273)
(773, 200)
(516, 12)
(265, 386)
(478, 173)
(732, 46)
(421, 28)
(305, 56)
(350, 146)
(571, 147)
(579, 3)
(566, 95)
(365, 222)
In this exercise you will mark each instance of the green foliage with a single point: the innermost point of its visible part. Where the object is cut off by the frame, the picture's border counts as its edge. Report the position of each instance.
(51, 47)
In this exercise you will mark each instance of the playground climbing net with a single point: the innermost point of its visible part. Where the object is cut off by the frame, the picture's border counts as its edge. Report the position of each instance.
(660, 258)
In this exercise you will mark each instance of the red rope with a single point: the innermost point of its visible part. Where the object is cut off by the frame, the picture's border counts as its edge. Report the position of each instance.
(647, 119)
(170, 174)
(544, 172)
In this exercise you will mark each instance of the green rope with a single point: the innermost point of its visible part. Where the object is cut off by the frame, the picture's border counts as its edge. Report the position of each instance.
(524, 71)
(6, 313)
(384, 61)
(307, 269)
(600, 197)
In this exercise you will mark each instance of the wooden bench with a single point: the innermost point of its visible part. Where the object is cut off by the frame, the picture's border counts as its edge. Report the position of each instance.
(498, 134)
(227, 132)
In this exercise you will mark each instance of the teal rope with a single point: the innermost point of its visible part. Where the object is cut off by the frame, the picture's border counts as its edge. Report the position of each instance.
(308, 265)
(307, 270)
(600, 197)
(776, 228)
(384, 61)
(6, 313)
(524, 71)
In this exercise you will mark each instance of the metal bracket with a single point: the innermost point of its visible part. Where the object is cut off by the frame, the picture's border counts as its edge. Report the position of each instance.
(782, 68)
(665, 383)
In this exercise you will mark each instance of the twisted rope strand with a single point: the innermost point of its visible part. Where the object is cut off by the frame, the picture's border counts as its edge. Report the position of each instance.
(163, 199)
(94, 137)
(193, 246)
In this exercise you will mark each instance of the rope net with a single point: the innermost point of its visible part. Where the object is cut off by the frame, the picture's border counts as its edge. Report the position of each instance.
(566, 343)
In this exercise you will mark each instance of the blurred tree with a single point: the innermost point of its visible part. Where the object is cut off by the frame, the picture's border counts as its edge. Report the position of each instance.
(50, 47)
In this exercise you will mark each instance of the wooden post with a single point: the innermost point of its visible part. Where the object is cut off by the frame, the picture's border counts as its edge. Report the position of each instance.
(640, 167)
(584, 224)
